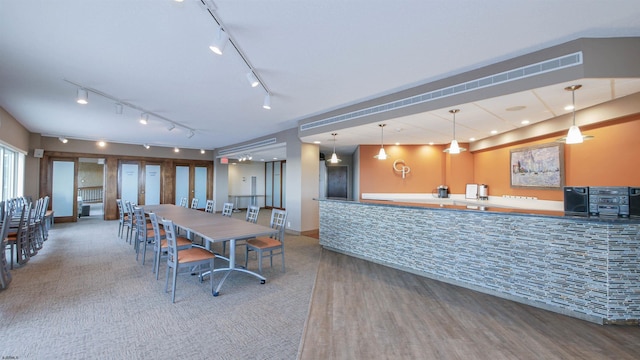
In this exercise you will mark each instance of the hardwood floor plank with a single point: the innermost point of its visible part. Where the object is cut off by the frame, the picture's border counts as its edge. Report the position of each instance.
(364, 310)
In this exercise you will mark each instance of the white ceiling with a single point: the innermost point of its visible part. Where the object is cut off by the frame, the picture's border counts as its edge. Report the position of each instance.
(313, 56)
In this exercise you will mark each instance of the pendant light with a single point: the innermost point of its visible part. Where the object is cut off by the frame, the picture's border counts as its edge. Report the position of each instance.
(382, 155)
(83, 96)
(454, 148)
(574, 136)
(334, 158)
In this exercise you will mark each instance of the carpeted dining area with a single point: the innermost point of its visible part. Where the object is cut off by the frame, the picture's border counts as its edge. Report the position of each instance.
(85, 297)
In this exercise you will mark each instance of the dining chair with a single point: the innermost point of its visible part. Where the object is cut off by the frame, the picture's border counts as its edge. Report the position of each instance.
(183, 202)
(5, 274)
(18, 237)
(252, 217)
(121, 218)
(210, 207)
(194, 203)
(269, 246)
(144, 235)
(129, 221)
(160, 244)
(195, 259)
(227, 209)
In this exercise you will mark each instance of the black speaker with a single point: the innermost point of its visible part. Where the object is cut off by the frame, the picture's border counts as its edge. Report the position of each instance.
(576, 200)
(634, 201)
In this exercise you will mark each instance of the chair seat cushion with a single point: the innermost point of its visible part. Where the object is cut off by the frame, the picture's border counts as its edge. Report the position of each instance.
(151, 234)
(180, 241)
(193, 255)
(263, 242)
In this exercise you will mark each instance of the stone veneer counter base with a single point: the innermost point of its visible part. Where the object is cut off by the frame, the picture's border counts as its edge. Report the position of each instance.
(588, 268)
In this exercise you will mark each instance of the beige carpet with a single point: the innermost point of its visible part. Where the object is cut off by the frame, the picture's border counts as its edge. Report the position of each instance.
(85, 297)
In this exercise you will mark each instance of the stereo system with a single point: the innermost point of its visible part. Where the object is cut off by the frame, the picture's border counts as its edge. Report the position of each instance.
(612, 201)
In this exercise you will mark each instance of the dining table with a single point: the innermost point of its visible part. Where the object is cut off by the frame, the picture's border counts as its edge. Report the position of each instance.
(213, 228)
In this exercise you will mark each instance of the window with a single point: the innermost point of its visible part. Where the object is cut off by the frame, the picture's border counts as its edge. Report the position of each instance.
(11, 173)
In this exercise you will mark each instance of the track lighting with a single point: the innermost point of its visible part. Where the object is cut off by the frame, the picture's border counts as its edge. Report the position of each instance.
(144, 118)
(382, 155)
(454, 148)
(83, 96)
(253, 80)
(267, 102)
(190, 134)
(219, 42)
(63, 139)
(146, 146)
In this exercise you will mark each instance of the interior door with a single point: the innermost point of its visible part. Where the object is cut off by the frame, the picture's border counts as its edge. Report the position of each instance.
(130, 182)
(63, 190)
(152, 184)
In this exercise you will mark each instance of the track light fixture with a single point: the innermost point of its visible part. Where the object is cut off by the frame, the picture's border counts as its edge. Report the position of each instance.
(382, 155)
(454, 148)
(146, 146)
(219, 42)
(83, 96)
(144, 118)
(222, 37)
(251, 78)
(63, 139)
(266, 104)
(175, 149)
(120, 104)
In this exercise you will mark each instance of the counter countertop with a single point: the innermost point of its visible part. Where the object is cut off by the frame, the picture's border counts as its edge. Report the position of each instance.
(484, 207)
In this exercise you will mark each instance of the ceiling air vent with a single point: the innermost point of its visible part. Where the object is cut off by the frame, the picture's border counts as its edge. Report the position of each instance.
(246, 147)
(484, 82)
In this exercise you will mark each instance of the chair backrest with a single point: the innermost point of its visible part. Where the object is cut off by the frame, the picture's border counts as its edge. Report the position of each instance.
(194, 203)
(5, 228)
(172, 246)
(211, 206)
(278, 222)
(227, 209)
(141, 224)
(252, 214)
(183, 202)
(120, 210)
(156, 228)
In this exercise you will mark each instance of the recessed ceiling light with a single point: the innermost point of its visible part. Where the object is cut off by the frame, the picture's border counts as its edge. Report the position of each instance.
(516, 108)
(175, 149)
(317, 142)
(275, 158)
(397, 143)
(202, 151)
(524, 122)
(102, 143)
(568, 107)
(493, 132)
(472, 139)
(430, 142)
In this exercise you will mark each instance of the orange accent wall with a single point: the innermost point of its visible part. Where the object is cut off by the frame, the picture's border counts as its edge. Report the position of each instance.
(611, 159)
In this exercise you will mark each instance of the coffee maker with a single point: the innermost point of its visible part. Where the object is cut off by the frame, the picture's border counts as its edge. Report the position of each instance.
(443, 191)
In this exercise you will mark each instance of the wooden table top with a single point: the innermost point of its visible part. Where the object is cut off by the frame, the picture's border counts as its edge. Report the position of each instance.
(212, 227)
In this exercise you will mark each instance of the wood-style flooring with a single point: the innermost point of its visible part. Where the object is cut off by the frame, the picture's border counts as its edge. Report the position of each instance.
(362, 310)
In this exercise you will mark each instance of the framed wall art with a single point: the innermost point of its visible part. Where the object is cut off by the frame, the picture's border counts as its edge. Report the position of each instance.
(538, 167)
